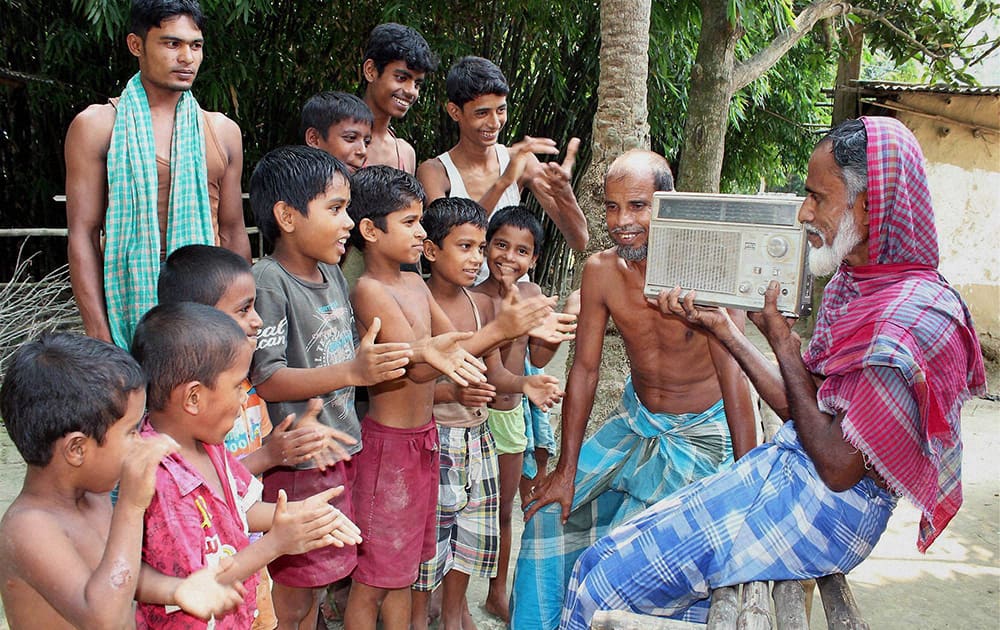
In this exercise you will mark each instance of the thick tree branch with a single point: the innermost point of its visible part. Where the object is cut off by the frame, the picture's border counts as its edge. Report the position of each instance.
(746, 71)
(878, 17)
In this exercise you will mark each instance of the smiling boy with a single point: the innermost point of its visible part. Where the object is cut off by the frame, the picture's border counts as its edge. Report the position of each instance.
(69, 558)
(397, 58)
(340, 124)
(482, 169)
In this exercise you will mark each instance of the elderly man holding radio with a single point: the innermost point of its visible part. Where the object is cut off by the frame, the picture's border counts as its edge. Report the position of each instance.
(872, 408)
(685, 413)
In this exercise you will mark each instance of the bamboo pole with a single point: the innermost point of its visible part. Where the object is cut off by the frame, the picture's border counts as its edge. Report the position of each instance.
(724, 609)
(755, 613)
(624, 620)
(841, 610)
(790, 605)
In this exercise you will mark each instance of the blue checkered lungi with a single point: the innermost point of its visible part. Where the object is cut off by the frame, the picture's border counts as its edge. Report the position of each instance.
(769, 517)
(633, 461)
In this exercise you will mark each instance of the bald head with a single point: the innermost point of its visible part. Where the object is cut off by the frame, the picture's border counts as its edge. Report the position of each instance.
(641, 165)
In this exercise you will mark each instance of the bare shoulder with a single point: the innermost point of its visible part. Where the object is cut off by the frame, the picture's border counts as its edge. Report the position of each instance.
(367, 288)
(408, 155)
(484, 304)
(528, 289)
(604, 264)
(227, 131)
(431, 170)
(222, 123)
(26, 522)
(92, 127)
(415, 280)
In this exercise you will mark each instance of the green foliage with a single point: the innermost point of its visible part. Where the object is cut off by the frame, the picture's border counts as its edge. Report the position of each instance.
(934, 33)
(263, 58)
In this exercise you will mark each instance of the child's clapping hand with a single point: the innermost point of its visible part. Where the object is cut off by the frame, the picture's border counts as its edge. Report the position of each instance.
(201, 595)
(138, 477)
(309, 440)
(301, 526)
(543, 390)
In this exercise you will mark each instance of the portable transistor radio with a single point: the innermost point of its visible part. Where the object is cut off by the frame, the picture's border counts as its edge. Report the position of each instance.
(728, 248)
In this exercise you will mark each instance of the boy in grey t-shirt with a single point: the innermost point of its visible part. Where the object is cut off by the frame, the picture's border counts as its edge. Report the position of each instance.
(307, 349)
(308, 324)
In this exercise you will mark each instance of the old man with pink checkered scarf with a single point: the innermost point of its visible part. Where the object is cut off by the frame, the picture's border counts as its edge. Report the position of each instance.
(871, 409)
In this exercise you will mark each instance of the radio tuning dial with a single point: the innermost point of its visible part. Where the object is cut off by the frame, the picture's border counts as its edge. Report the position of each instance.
(777, 246)
(745, 287)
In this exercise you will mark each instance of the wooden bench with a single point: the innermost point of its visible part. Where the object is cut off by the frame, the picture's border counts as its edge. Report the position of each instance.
(746, 607)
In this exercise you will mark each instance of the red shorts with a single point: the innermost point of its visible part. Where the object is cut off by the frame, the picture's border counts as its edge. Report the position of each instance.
(325, 565)
(395, 502)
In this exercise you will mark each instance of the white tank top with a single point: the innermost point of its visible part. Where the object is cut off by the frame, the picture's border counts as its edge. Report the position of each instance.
(510, 197)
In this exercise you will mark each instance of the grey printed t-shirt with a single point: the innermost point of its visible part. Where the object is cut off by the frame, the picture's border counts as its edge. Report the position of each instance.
(306, 325)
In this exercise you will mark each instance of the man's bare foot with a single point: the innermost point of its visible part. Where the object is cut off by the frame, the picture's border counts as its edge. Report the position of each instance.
(498, 606)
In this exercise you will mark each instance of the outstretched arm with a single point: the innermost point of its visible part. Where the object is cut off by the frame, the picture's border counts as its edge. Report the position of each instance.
(552, 185)
(581, 385)
(839, 464)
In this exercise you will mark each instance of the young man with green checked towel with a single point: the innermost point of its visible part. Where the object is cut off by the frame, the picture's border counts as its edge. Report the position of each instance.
(150, 169)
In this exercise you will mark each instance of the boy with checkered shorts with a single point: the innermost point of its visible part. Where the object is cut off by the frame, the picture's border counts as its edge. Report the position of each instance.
(468, 527)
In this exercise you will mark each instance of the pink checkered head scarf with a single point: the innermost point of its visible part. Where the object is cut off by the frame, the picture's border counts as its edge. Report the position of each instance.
(898, 312)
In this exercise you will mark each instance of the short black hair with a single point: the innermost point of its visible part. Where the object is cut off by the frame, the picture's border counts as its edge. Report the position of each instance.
(183, 342)
(326, 109)
(199, 273)
(295, 174)
(471, 77)
(62, 383)
(378, 191)
(147, 14)
(519, 217)
(446, 213)
(394, 42)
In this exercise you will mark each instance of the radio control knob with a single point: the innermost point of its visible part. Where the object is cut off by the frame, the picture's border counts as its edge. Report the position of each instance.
(777, 246)
(761, 289)
(745, 287)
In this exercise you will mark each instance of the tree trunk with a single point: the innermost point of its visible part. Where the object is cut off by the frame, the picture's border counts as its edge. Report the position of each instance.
(845, 96)
(716, 76)
(620, 124)
(709, 93)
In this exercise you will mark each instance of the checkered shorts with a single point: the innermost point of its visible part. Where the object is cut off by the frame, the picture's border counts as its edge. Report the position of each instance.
(468, 525)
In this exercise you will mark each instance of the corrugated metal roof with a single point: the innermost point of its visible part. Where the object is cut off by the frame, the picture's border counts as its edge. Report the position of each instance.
(940, 88)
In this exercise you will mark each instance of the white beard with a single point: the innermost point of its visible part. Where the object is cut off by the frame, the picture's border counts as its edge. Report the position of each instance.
(825, 260)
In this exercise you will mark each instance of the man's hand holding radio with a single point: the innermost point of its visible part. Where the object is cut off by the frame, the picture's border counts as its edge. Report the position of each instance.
(715, 319)
(775, 327)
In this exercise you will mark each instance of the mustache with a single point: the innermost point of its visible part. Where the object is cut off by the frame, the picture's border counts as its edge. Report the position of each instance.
(632, 227)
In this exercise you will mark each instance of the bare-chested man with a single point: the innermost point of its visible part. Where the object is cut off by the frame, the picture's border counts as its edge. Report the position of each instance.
(481, 169)
(397, 58)
(686, 411)
(135, 170)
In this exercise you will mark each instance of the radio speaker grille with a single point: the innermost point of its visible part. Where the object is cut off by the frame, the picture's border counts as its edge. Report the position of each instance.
(704, 260)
